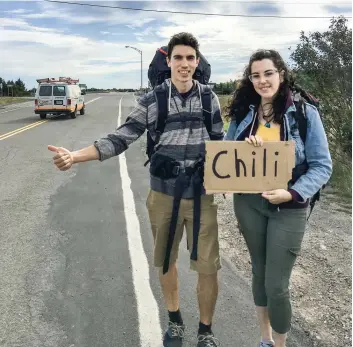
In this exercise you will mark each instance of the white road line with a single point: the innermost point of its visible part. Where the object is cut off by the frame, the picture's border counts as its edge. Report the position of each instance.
(147, 308)
(88, 102)
(119, 115)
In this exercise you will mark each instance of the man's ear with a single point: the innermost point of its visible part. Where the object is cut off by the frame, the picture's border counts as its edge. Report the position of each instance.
(168, 61)
(198, 61)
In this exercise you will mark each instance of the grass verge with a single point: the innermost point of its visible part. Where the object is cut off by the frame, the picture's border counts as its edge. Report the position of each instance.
(5, 100)
(223, 100)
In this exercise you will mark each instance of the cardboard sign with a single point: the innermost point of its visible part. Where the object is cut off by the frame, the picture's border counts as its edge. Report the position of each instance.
(238, 167)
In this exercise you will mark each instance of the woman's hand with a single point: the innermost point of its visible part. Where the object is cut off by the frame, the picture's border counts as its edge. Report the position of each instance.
(255, 140)
(277, 196)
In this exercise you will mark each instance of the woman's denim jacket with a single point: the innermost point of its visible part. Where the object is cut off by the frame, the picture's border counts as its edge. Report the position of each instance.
(315, 151)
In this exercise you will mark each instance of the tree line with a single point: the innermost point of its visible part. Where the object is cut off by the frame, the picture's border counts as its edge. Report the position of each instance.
(14, 88)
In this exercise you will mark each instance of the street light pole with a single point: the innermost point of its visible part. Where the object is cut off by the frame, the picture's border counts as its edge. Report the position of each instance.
(138, 50)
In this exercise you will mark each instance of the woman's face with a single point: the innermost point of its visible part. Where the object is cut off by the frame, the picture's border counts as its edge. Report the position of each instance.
(265, 78)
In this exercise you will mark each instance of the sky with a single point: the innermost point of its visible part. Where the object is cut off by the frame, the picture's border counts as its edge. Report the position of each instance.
(40, 39)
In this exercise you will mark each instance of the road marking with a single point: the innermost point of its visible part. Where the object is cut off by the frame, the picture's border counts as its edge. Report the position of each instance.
(88, 102)
(118, 123)
(30, 126)
(20, 130)
(147, 308)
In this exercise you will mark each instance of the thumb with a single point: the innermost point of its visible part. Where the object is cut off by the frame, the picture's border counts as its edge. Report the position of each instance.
(58, 149)
(53, 148)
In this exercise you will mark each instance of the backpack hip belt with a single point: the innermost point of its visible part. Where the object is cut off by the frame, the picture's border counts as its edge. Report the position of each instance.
(164, 167)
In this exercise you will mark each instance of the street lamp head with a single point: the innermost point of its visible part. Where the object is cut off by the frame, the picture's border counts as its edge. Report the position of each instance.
(138, 50)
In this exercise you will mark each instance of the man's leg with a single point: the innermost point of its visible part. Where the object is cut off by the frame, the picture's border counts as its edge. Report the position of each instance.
(207, 265)
(207, 292)
(174, 334)
(170, 288)
(160, 210)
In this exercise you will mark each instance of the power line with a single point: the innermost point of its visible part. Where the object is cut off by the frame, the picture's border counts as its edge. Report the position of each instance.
(190, 13)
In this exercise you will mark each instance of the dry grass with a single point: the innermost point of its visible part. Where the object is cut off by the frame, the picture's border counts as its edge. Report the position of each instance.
(5, 100)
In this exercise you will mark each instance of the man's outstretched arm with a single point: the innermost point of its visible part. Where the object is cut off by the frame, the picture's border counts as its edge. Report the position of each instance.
(64, 159)
(109, 146)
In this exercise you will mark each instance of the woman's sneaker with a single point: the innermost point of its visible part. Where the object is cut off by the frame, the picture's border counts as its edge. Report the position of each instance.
(174, 335)
(267, 344)
(207, 340)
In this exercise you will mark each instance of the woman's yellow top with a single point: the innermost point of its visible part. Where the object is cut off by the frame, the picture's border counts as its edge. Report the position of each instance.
(268, 134)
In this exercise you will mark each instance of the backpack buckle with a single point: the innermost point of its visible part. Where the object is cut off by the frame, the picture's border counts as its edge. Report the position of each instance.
(176, 170)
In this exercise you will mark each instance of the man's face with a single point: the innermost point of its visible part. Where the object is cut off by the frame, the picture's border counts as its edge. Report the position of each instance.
(183, 63)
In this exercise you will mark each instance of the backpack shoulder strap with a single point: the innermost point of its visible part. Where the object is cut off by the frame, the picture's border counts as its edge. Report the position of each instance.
(300, 117)
(206, 100)
(161, 95)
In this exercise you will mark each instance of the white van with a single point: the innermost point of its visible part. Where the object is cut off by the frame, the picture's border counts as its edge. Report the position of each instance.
(62, 96)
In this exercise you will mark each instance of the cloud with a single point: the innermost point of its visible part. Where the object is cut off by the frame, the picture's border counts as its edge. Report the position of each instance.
(22, 24)
(335, 9)
(18, 11)
(263, 9)
(140, 22)
(95, 49)
(75, 14)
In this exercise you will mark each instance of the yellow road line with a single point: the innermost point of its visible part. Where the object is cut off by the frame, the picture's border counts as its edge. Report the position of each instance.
(20, 130)
(23, 128)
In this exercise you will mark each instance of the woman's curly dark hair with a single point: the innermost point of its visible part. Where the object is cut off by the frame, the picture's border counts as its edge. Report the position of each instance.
(245, 94)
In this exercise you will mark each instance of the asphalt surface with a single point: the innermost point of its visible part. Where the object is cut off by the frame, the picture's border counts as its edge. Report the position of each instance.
(72, 271)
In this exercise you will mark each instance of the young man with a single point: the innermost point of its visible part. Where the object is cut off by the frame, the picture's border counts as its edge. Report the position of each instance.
(176, 169)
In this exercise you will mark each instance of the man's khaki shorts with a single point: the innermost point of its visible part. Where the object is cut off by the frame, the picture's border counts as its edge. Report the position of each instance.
(159, 207)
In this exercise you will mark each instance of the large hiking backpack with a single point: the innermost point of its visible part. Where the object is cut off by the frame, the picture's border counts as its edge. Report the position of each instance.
(300, 97)
(159, 71)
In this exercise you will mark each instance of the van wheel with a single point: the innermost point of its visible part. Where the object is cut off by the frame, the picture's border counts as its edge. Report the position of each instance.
(82, 111)
(43, 116)
(73, 114)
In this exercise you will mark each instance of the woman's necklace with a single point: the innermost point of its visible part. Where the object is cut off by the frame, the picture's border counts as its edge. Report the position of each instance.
(268, 118)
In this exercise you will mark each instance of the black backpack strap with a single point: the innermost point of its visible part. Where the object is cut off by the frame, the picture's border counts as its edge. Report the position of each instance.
(206, 100)
(178, 193)
(161, 95)
(301, 119)
(316, 197)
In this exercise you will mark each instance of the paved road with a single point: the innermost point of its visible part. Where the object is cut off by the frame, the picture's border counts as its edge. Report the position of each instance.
(76, 246)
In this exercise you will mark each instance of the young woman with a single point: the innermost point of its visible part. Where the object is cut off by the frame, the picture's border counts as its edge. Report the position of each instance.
(273, 223)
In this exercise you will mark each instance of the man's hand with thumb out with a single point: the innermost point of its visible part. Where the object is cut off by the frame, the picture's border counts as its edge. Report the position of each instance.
(63, 158)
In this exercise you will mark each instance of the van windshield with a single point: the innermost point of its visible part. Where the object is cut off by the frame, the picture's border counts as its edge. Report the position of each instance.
(45, 90)
(59, 91)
